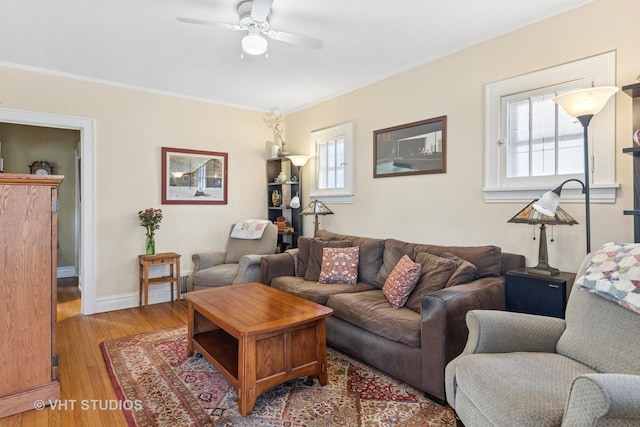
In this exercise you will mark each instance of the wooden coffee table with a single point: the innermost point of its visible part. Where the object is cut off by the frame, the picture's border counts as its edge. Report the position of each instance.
(258, 337)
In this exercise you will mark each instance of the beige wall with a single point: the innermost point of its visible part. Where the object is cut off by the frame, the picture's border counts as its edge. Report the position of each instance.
(21, 146)
(449, 208)
(130, 129)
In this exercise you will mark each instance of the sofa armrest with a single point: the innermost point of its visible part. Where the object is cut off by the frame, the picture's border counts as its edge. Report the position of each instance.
(444, 333)
(493, 331)
(272, 266)
(595, 398)
(248, 269)
(204, 260)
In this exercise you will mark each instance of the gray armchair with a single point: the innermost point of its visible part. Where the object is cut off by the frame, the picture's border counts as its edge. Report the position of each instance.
(525, 370)
(239, 264)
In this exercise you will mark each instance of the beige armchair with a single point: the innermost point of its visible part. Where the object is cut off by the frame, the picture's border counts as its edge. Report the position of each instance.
(239, 264)
(525, 370)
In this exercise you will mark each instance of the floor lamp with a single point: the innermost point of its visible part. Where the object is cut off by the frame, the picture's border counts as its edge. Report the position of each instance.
(583, 104)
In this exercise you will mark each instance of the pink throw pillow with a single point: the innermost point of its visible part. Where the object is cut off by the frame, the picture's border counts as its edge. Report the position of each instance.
(340, 265)
(401, 281)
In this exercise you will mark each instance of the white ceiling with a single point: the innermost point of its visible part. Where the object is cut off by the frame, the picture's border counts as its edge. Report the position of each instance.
(139, 43)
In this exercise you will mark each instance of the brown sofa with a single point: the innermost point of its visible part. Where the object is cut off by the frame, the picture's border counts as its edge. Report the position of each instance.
(415, 342)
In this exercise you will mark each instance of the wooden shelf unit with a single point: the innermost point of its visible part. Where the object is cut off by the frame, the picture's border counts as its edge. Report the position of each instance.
(633, 91)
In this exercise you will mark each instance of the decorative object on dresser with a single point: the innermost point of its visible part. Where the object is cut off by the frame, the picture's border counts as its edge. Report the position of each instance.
(316, 208)
(533, 214)
(583, 104)
(28, 257)
(41, 167)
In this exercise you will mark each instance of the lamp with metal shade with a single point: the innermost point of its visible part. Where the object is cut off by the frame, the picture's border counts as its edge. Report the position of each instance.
(531, 215)
(583, 104)
(316, 208)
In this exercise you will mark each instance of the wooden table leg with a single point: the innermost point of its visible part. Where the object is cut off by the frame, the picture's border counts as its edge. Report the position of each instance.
(246, 375)
(140, 282)
(323, 377)
(172, 280)
(190, 330)
(178, 277)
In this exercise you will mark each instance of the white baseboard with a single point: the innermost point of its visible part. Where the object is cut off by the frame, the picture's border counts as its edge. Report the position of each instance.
(157, 294)
(64, 272)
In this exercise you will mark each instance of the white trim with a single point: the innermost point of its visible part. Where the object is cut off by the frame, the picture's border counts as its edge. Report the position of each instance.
(64, 272)
(87, 274)
(337, 195)
(157, 294)
(599, 69)
(597, 194)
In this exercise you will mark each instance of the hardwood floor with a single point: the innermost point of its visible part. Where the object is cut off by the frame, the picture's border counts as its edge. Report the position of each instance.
(84, 380)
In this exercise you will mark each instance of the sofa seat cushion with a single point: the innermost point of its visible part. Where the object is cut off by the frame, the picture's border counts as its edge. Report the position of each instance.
(531, 388)
(372, 311)
(218, 275)
(314, 291)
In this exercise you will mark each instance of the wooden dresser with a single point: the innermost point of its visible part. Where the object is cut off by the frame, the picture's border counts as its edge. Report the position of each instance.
(28, 241)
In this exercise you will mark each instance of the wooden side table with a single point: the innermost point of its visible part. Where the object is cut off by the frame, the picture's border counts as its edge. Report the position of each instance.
(171, 259)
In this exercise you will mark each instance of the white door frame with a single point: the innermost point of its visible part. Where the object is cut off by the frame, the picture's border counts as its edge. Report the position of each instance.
(87, 267)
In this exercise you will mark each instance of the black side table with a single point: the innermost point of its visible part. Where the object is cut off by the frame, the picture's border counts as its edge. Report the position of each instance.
(537, 294)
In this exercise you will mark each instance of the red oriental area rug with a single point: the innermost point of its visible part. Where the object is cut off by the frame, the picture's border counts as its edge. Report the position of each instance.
(160, 386)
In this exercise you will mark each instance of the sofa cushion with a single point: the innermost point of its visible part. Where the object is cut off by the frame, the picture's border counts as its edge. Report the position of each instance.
(372, 311)
(401, 281)
(434, 275)
(313, 291)
(339, 265)
(532, 388)
(487, 259)
(371, 252)
(465, 272)
(314, 259)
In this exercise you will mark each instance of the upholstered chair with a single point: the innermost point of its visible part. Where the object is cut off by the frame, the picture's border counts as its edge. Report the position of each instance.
(240, 263)
(525, 370)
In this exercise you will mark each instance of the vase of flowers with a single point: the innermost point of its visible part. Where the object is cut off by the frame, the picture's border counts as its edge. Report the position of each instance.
(150, 219)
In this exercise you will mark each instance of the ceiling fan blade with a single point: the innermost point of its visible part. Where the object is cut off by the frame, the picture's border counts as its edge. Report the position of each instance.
(207, 22)
(296, 39)
(260, 10)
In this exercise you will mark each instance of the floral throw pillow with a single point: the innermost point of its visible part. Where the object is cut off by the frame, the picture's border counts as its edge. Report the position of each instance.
(340, 265)
(401, 281)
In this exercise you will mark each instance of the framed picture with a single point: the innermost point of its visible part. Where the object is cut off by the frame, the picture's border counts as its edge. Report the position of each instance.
(193, 177)
(411, 149)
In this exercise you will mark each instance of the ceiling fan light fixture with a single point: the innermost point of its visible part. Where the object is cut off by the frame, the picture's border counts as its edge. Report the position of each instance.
(254, 44)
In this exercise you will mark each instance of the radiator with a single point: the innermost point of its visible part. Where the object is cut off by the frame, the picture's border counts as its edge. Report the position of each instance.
(183, 283)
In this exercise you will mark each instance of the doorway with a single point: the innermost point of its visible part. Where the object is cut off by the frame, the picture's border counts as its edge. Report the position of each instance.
(86, 178)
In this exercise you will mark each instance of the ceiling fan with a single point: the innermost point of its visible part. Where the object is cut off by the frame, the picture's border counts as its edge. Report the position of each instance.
(254, 19)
